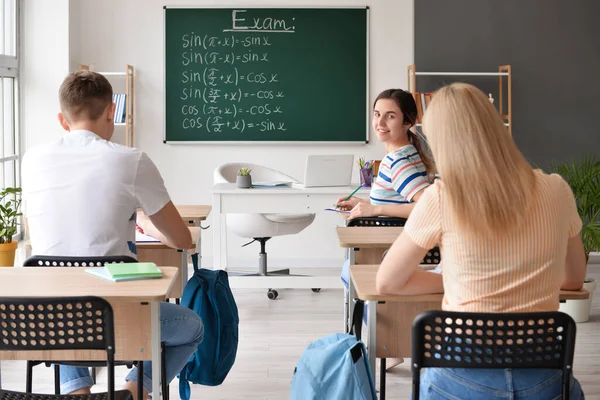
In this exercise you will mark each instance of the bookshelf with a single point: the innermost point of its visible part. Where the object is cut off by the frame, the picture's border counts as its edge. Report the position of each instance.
(129, 99)
(504, 72)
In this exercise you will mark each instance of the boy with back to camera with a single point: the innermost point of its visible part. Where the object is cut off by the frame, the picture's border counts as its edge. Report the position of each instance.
(80, 196)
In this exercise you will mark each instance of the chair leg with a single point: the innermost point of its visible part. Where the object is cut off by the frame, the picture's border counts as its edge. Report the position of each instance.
(94, 375)
(29, 378)
(140, 382)
(56, 379)
(382, 379)
(163, 362)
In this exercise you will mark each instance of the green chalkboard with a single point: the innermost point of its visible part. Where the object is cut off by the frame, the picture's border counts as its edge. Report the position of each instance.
(266, 75)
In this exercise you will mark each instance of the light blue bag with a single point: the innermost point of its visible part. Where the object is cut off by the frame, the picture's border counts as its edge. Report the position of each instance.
(334, 367)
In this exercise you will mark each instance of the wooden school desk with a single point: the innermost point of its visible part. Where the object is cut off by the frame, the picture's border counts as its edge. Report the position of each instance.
(161, 254)
(193, 215)
(390, 317)
(135, 304)
(364, 245)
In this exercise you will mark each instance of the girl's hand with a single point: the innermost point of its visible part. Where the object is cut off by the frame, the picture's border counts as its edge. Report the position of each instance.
(346, 205)
(364, 209)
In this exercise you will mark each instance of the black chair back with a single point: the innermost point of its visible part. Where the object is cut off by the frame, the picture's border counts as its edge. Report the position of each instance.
(377, 221)
(433, 256)
(60, 261)
(443, 339)
(62, 323)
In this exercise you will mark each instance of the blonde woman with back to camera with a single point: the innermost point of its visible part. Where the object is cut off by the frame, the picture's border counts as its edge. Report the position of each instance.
(509, 237)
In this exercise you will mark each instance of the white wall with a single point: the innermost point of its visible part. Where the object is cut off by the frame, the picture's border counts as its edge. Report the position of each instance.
(109, 34)
(44, 54)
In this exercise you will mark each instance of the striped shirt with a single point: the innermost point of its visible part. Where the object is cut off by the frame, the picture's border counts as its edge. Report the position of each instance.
(521, 272)
(402, 174)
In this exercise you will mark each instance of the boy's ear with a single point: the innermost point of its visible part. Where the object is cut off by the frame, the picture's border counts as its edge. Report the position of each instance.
(111, 111)
(63, 122)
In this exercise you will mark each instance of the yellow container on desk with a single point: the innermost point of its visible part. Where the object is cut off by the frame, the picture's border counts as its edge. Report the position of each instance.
(7, 254)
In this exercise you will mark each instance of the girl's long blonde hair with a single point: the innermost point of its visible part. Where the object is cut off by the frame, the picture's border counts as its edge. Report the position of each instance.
(486, 179)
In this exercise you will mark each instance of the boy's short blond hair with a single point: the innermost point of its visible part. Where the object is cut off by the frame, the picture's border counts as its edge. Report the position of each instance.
(84, 95)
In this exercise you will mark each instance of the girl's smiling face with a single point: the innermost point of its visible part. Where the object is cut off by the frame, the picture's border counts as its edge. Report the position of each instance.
(388, 121)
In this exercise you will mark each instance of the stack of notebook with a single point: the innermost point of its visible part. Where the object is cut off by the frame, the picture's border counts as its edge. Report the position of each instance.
(127, 271)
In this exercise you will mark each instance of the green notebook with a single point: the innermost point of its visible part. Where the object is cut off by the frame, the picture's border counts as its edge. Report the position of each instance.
(127, 271)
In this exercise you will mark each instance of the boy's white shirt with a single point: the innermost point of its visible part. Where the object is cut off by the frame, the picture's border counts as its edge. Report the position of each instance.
(81, 193)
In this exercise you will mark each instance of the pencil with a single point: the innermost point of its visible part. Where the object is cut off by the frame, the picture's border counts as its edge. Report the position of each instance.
(352, 194)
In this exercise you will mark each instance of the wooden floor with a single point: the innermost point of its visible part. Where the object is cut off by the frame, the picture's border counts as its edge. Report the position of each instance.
(273, 335)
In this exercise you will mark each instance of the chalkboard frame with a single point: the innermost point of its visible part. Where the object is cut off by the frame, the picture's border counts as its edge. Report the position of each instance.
(279, 142)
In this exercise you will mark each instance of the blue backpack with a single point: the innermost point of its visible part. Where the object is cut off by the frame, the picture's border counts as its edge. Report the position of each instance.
(209, 295)
(335, 368)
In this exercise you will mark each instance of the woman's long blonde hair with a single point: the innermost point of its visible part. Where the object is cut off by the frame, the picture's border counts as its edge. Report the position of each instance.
(486, 179)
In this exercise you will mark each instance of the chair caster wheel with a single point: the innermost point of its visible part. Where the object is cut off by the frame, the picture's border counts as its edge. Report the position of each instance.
(316, 290)
(272, 294)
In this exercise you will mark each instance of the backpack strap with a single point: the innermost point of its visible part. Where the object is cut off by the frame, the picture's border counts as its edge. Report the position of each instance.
(357, 317)
(185, 392)
(195, 262)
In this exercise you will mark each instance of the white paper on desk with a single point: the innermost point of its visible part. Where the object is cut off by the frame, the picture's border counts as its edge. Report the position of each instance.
(337, 210)
(141, 237)
(271, 184)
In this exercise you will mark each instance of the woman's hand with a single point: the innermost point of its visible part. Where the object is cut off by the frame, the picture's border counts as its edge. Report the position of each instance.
(364, 209)
(347, 205)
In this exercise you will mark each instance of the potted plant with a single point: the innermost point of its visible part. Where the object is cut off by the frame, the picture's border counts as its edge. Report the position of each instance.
(244, 180)
(584, 179)
(10, 203)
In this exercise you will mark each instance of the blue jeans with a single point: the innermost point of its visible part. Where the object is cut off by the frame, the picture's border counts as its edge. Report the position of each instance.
(181, 331)
(495, 384)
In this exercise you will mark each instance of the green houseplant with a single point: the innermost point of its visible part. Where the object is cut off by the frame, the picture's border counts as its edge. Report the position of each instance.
(584, 179)
(244, 180)
(10, 204)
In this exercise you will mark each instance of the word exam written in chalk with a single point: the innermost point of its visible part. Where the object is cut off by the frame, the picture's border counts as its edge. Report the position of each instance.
(218, 67)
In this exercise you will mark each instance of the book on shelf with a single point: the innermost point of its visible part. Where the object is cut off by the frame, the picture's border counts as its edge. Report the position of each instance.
(120, 110)
(422, 100)
(117, 272)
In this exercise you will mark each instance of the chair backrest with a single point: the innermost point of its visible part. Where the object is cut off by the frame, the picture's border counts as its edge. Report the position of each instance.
(377, 221)
(446, 339)
(433, 256)
(64, 323)
(60, 261)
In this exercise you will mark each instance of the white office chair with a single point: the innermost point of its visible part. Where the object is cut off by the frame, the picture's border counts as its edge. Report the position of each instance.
(262, 227)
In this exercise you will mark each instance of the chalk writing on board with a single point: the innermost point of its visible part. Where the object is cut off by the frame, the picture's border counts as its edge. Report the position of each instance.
(194, 40)
(224, 86)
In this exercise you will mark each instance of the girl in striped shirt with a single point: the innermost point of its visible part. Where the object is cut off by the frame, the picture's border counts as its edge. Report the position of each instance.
(405, 170)
(509, 237)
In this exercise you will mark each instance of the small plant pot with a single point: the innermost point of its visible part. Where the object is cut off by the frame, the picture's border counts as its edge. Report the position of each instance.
(7, 254)
(244, 182)
(579, 310)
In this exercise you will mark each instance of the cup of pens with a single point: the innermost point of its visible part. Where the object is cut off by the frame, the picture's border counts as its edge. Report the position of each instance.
(365, 172)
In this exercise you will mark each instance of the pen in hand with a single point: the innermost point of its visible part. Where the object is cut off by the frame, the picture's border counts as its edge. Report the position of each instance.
(350, 195)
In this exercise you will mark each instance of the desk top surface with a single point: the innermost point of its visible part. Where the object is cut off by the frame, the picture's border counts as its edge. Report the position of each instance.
(190, 212)
(368, 236)
(363, 277)
(74, 281)
(194, 212)
(194, 230)
(230, 188)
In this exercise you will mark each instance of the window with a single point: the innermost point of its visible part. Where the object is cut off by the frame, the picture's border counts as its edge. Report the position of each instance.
(9, 94)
